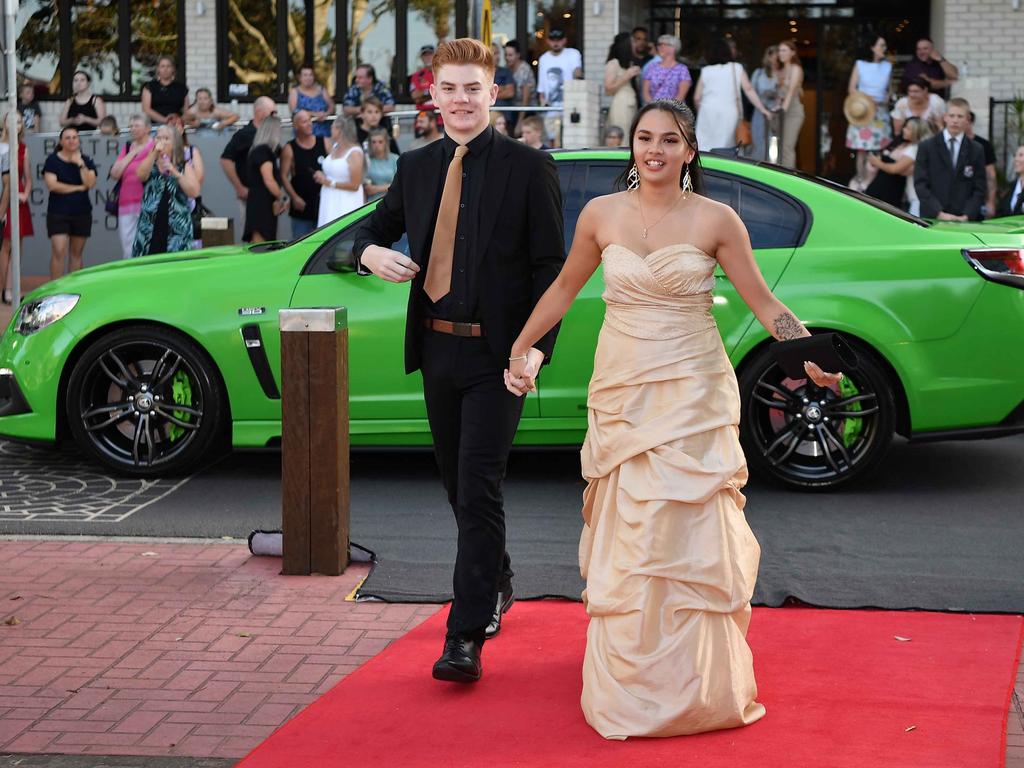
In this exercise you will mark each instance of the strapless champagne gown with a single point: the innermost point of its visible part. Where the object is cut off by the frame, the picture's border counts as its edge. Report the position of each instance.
(669, 559)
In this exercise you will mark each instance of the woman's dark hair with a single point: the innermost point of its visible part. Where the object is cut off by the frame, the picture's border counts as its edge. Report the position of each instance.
(83, 73)
(621, 49)
(514, 45)
(684, 118)
(920, 82)
(720, 53)
(60, 136)
(869, 42)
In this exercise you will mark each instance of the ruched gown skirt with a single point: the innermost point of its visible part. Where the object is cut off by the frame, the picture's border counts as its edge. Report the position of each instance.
(669, 560)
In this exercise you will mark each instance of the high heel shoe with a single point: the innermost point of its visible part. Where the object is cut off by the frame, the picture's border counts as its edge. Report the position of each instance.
(7, 298)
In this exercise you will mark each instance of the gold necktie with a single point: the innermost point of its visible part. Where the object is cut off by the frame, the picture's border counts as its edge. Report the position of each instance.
(442, 248)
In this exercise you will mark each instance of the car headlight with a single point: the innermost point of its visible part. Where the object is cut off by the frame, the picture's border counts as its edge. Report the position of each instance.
(39, 313)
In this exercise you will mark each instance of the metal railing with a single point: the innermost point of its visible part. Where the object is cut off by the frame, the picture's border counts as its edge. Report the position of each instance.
(1006, 132)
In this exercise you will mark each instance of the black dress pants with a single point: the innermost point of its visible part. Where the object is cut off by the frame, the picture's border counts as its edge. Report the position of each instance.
(473, 419)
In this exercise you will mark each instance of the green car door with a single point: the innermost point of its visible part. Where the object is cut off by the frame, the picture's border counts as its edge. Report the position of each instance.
(386, 405)
(776, 222)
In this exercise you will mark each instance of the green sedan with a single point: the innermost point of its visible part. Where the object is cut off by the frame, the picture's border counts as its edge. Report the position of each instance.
(153, 364)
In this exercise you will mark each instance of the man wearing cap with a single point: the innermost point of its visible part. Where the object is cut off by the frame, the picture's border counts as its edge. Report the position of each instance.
(556, 66)
(421, 80)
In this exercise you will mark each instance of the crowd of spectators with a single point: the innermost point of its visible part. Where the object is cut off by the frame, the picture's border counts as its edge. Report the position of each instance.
(913, 148)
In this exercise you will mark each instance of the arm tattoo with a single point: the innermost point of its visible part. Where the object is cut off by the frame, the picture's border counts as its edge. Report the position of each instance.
(785, 327)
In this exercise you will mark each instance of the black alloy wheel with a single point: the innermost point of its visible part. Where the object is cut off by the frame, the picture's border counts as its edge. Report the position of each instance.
(145, 402)
(812, 438)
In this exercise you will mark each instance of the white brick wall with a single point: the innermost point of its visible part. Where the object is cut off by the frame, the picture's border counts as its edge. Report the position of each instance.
(599, 29)
(986, 35)
(201, 46)
(582, 97)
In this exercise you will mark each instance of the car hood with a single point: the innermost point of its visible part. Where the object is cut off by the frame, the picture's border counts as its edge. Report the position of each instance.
(157, 267)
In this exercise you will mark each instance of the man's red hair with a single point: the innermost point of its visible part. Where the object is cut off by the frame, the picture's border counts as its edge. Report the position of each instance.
(464, 50)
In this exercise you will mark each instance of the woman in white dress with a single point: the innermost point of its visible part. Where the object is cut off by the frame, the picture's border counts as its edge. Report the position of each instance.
(871, 77)
(618, 81)
(718, 98)
(341, 174)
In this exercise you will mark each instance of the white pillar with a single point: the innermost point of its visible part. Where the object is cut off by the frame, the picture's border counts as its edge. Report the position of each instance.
(582, 104)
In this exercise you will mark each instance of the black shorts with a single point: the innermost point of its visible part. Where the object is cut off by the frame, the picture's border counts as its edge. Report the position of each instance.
(74, 224)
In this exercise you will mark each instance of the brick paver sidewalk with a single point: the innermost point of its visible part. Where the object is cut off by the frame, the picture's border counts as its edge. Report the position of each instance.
(184, 649)
(149, 648)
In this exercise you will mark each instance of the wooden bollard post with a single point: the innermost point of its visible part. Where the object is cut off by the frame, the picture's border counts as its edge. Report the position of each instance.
(314, 441)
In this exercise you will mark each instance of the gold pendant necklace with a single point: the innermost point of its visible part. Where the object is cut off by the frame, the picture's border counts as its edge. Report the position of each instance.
(643, 234)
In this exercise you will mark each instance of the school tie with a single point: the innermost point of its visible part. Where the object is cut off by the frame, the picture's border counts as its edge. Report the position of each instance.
(442, 247)
(952, 152)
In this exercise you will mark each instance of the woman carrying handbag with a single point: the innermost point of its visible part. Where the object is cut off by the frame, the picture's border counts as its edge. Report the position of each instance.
(720, 123)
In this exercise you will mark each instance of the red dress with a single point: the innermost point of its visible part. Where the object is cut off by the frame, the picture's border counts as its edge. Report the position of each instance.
(24, 214)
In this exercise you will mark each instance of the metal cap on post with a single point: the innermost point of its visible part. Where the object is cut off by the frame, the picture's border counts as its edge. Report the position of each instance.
(314, 440)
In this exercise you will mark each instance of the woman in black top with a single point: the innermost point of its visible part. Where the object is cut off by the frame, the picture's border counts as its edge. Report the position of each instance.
(84, 110)
(300, 159)
(162, 95)
(69, 176)
(266, 199)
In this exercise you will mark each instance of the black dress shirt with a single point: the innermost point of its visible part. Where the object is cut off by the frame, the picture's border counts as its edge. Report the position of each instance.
(462, 304)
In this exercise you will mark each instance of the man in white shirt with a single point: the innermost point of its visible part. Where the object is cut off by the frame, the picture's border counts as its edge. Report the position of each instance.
(556, 66)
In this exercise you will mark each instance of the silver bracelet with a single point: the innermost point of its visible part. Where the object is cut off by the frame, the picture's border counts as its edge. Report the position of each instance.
(521, 357)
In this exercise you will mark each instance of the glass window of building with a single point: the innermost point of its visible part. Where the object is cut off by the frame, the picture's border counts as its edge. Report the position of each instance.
(39, 45)
(544, 16)
(371, 36)
(154, 33)
(252, 50)
(94, 48)
(429, 23)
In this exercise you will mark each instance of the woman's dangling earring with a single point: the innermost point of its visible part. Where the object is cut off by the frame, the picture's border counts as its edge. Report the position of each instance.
(633, 179)
(687, 184)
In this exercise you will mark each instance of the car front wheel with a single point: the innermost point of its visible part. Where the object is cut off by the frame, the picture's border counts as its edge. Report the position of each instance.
(145, 401)
(808, 437)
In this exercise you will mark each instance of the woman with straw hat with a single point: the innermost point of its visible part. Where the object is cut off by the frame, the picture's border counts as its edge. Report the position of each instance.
(866, 108)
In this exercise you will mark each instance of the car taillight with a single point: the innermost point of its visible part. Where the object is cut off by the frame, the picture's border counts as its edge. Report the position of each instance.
(1001, 265)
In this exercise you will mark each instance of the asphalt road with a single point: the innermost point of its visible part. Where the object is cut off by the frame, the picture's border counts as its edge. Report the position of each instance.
(938, 526)
(49, 492)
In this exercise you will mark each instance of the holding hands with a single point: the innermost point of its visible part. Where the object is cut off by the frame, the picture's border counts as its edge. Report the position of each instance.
(521, 374)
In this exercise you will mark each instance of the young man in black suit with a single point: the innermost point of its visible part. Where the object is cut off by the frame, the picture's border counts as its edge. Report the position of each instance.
(949, 173)
(484, 217)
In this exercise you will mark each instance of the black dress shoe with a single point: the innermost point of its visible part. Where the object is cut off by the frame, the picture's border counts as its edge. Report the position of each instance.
(460, 661)
(505, 600)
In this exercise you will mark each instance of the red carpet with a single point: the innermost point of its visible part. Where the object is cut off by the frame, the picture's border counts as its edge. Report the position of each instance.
(840, 690)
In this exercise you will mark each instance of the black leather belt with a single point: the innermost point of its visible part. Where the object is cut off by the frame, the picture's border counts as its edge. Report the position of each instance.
(474, 330)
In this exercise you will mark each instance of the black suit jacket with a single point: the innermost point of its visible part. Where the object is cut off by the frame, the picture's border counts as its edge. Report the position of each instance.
(521, 237)
(940, 188)
(1003, 204)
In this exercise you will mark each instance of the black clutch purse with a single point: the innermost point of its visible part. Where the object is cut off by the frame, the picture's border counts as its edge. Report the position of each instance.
(828, 350)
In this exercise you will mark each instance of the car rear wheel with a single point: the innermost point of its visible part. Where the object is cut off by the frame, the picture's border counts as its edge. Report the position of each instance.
(807, 437)
(145, 401)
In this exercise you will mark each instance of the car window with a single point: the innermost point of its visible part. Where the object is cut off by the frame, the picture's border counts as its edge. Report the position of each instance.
(720, 188)
(772, 219)
(565, 174)
(589, 180)
(339, 249)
